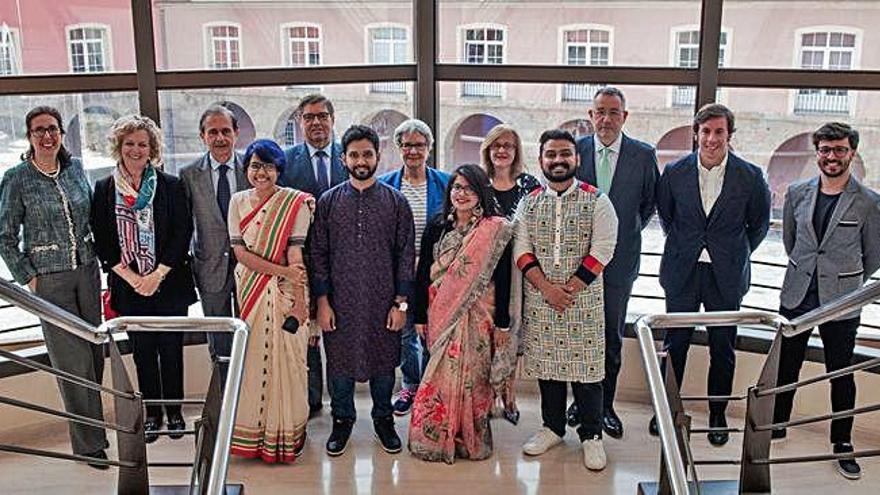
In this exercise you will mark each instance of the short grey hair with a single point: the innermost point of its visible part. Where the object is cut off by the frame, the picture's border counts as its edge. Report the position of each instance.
(414, 125)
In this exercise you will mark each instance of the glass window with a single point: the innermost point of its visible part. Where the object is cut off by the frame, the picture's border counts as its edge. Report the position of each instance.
(271, 112)
(88, 48)
(482, 45)
(224, 46)
(585, 46)
(74, 36)
(279, 33)
(388, 45)
(8, 51)
(533, 30)
(686, 51)
(825, 50)
(303, 47)
(783, 35)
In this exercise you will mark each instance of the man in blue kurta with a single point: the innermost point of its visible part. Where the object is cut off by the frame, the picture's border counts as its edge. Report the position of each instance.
(363, 258)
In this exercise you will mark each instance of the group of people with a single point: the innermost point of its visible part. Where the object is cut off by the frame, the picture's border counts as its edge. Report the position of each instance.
(457, 278)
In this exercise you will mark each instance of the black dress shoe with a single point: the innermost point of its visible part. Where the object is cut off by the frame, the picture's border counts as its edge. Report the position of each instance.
(653, 429)
(339, 436)
(151, 425)
(100, 454)
(718, 438)
(384, 428)
(176, 423)
(572, 416)
(611, 423)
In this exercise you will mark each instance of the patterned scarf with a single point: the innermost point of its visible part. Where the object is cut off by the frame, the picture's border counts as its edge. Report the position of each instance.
(134, 218)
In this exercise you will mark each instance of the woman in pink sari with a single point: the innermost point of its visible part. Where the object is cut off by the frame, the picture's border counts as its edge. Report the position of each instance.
(267, 228)
(461, 308)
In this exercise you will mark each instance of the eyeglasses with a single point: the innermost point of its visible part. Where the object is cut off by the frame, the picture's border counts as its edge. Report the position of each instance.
(321, 116)
(413, 146)
(608, 113)
(839, 151)
(462, 189)
(257, 166)
(502, 146)
(42, 131)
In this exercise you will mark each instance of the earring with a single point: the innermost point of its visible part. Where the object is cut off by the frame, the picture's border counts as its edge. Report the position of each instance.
(478, 211)
(451, 216)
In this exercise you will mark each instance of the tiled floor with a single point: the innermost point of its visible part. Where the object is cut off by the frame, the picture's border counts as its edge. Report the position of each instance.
(365, 468)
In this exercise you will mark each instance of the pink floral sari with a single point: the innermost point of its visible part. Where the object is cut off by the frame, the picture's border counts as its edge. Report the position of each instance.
(450, 415)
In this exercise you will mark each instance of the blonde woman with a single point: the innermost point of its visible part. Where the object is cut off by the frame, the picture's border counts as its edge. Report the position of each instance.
(501, 156)
(143, 227)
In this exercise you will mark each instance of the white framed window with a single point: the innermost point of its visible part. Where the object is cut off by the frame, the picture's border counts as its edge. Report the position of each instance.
(301, 44)
(825, 48)
(223, 43)
(88, 48)
(387, 44)
(9, 54)
(686, 54)
(482, 44)
(584, 45)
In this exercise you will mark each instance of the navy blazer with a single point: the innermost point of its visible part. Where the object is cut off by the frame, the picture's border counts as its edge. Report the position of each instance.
(299, 173)
(734, 228)
(633, 196)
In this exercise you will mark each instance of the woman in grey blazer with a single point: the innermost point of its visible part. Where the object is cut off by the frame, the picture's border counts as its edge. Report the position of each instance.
(45, 199)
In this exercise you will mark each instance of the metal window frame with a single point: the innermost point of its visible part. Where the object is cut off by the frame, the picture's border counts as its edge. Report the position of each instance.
(426, 71)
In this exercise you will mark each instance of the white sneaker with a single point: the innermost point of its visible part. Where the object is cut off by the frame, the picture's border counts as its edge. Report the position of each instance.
(542, 441)
(594, 454)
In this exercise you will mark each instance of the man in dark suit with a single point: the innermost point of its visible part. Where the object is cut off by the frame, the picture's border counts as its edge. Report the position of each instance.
(715, 210)
(626, 170)
(831, 232)
(314, 166)
(210, 181)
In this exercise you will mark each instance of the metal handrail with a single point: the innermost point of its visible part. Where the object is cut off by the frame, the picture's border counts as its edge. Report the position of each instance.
(674, 463)
(215, 482)
(662, 412)
(240, 329)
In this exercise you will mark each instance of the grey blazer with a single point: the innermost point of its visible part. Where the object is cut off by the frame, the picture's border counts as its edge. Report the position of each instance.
(210, 244)
(847, 255)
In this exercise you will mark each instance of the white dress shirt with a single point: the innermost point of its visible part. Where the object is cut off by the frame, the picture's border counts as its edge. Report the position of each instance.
(613, 150)
(328, 150)
(711, 183)
(230, 174)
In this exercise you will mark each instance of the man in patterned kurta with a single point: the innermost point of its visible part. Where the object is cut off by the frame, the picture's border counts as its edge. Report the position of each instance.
(362, 270)
(565, 235)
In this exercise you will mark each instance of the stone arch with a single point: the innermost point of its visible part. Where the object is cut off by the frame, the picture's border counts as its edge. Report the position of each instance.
(675, 144)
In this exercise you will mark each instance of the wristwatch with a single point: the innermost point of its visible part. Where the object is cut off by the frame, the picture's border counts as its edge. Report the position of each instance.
(401, 306)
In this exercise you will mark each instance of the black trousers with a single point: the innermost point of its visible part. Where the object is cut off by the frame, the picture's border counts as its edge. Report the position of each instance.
(587, 396)
(838, 342)
(616, 298)
(703, 289)
(158, 359)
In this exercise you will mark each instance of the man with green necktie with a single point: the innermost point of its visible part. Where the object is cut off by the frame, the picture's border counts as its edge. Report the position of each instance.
(626, 170)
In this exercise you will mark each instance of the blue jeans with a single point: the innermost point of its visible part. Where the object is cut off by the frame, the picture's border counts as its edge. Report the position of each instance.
(342, 396)
(413, 357)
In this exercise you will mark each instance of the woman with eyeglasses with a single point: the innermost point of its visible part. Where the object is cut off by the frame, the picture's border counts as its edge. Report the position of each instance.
(143, 227)
(461, 306)
(268, 225)
(45, 201)
(501, 157)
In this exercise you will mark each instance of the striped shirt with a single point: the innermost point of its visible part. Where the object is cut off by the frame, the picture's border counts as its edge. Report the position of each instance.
(417, 196)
